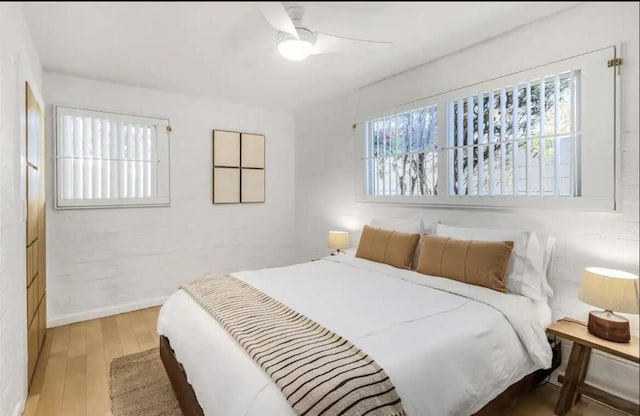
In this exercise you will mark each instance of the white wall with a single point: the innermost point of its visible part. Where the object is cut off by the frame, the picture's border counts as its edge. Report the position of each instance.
(19, 62)
(326, 160)
(105, 261)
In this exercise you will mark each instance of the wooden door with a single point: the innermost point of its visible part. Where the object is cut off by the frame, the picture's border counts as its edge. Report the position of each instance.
(36, 231)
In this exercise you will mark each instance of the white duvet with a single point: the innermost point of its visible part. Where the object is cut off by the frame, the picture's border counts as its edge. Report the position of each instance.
(449, 348)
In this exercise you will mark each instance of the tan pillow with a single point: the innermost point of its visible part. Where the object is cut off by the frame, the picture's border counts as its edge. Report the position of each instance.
(385, 246)
(480, 263)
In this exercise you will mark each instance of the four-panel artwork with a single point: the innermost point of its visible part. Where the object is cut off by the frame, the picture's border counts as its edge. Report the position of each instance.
(238, 167)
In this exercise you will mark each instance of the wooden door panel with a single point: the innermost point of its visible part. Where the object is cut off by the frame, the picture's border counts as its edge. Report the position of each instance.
(35, 230)
(36, 294)
(35, 258)
(31, 302)
(34, 128)
(42, 321)
(30, 260)
(32, 352)
(41, 289)
(41, 259)
(33, 261)
(33, 203)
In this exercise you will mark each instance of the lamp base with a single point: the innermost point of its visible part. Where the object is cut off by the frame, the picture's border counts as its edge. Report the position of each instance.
(607, 325)
(337, 252)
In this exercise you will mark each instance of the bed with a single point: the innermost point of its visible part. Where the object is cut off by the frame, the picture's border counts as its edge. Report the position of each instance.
(449, 348)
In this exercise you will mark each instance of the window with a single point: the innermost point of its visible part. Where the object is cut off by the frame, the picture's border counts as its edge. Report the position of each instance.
(541, 137)
(403, 153)
(106, 159)
(519, 140)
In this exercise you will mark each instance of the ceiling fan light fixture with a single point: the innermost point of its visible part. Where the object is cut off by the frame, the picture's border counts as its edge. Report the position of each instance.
(296, 49)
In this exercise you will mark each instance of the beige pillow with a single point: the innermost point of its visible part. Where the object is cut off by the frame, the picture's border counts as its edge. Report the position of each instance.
(480, 263)
(385, 246)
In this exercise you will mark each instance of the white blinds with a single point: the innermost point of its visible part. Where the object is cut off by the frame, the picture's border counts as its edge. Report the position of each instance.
(402, 153)
(538, 137)
(519, 140)
(105, 157)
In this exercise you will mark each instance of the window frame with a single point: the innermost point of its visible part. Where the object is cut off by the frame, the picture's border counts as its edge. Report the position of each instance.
(371, 159)
(503, 188)
(163, 128)
(582, 202)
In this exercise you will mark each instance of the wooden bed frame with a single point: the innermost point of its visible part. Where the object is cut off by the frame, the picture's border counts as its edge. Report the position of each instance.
(507, 399)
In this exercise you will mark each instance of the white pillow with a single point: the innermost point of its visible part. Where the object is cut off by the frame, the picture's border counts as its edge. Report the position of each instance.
(548, 243)
(404, 225)
(526, 270)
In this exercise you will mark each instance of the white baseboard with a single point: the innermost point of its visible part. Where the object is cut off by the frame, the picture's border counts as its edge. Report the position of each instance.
(102, 312)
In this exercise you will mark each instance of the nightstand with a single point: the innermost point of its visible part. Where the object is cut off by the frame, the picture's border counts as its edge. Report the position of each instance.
(573, 385)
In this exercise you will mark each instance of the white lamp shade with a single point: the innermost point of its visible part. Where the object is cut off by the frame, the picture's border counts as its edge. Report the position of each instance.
(610, 289)
(338, 240)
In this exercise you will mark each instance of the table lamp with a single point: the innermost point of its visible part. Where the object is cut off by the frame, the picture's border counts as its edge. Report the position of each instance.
(338, 240)
(611, 290)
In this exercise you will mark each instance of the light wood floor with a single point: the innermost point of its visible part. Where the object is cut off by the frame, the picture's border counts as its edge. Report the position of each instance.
(72, 373)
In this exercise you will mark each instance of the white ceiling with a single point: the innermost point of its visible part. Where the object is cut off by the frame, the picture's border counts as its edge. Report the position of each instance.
(226, 50)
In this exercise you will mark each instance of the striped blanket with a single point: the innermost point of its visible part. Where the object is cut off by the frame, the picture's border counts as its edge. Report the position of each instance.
(319, 372)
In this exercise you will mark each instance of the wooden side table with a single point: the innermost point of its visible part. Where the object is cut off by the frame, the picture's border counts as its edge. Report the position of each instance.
(573, 385)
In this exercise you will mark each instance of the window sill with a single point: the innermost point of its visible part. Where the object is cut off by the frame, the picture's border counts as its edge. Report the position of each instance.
(495, 202)
(112, 203)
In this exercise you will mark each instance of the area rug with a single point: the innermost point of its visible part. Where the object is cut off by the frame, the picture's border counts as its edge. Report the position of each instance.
(140, 386)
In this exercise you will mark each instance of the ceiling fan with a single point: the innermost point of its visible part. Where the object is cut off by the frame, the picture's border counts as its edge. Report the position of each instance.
(296, 42)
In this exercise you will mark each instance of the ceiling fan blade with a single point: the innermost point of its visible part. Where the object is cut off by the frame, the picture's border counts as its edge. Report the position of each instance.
(277, 16)
(260, 61)
(326, 43)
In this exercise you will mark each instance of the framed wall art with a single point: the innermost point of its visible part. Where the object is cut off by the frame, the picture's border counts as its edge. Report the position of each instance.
(226, 148)
(226, 167)
(238, 167)
(252, 185)
(226, 185)
(252, 151)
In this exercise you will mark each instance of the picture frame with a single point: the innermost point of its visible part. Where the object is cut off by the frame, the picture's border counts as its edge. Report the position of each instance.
(252, 151)
(252, 185)
(226, 185)
(226, 148)
(238, 167)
